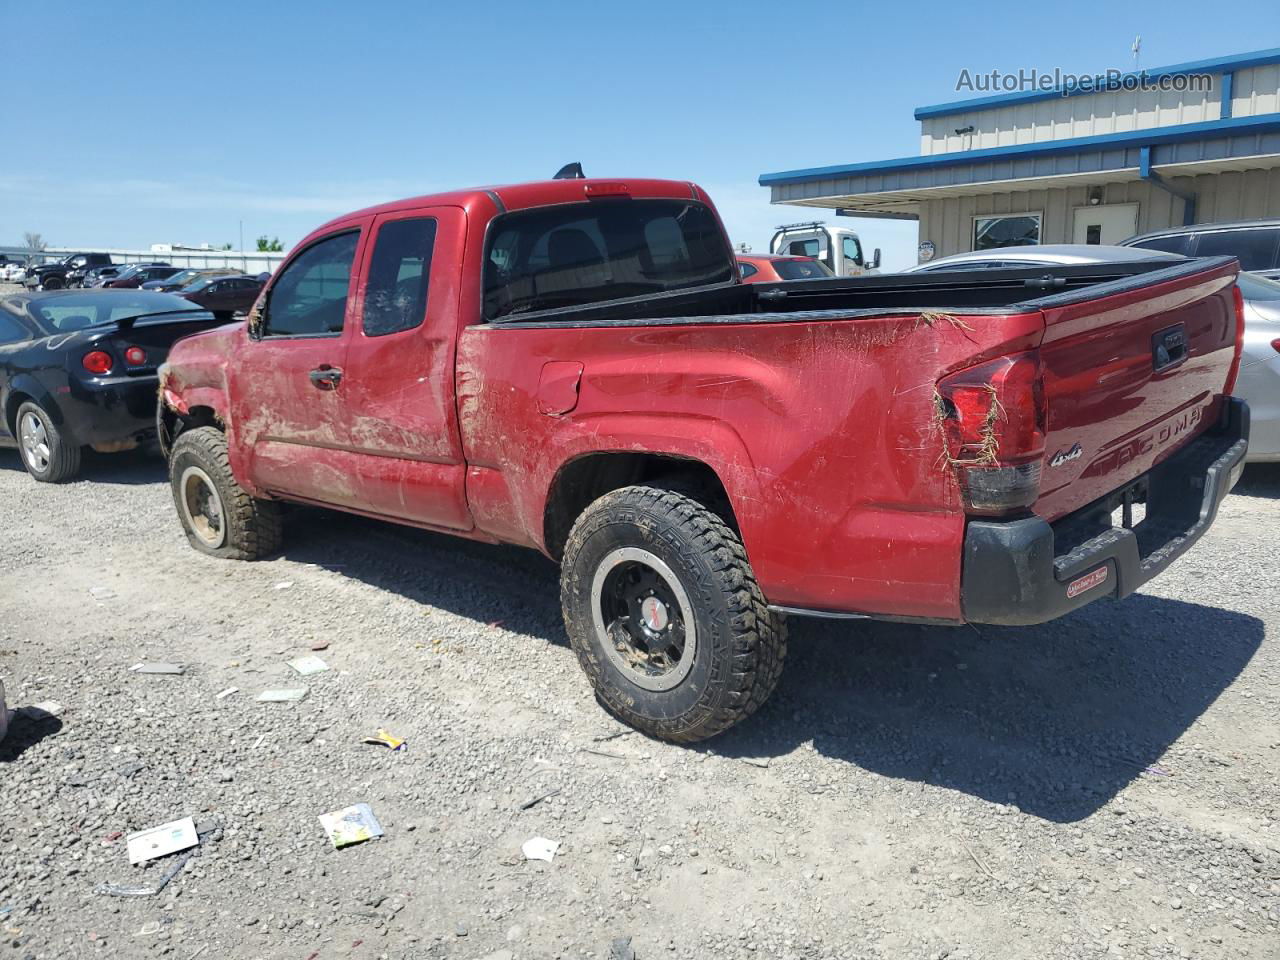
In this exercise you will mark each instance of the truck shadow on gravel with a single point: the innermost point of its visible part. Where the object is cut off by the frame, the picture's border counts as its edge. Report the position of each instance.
(1055, 719)
(1260, 480)
(25, 732)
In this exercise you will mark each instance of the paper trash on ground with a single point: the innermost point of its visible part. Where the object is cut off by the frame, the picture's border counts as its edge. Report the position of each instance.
(309, 665)
(354, 824)
(382, 738)
(540, 848)
(162, 840)
(282, 696)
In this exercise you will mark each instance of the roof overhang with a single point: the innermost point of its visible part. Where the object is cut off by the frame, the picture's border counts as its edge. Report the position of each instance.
(898, 187)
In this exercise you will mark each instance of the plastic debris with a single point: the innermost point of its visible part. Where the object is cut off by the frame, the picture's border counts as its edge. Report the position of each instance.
(162, 840)
(205, 830)
(102, 593)
(351, 825)
(283, 585)
(319, 644)
(226, 693)
(309, 665)
(621, 949)
(382, 738)
(167, 669)
(534, 801)
(539, 848)
(282, 696)
(756, 761)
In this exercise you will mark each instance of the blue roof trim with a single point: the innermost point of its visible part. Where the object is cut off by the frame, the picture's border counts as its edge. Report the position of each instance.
(1239, 61)
(1185, 131)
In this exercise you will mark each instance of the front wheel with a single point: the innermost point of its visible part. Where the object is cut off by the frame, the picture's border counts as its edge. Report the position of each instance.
(220, 518)
(666, 617)
(53, 283)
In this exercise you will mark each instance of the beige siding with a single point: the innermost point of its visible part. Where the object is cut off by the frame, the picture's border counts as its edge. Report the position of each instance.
(1096, 114)
(1255, 91)
(1221, 197)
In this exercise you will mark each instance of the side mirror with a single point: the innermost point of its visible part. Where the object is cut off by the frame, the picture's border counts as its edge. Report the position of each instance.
(875, 259)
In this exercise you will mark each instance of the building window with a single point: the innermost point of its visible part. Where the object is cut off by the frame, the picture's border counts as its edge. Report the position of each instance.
(1014, 230)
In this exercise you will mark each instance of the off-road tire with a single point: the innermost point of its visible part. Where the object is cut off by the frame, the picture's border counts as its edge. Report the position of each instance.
(740, 644)
(252, 528)
(64, 456)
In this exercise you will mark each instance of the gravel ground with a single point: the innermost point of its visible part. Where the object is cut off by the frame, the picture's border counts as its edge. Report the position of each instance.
(1103, 786)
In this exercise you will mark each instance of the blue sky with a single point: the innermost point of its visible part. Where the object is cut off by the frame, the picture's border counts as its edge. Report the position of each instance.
(160, 122)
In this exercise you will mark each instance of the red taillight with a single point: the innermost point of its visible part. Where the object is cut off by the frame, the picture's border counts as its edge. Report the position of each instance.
(1275, 345)
(993, 425)
(1235, 360)
(607, 190)
(135, 356)
(96, 361)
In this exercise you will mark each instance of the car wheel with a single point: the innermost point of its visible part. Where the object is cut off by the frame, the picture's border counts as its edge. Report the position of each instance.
(220, 518)
(665, 615)
(46, 454)
(53, 283)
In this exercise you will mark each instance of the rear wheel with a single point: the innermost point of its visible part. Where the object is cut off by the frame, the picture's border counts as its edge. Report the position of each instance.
(48, 456)
(220, 518)
(53, 283)
(666, 617)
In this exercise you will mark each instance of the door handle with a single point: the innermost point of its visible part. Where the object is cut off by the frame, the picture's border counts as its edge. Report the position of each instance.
(325, 377)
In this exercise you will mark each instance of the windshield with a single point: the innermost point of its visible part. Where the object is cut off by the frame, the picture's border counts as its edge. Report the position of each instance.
(1258, 288)
(198, 284)
(580, 253)
(801, 269)
(181, 277)
(63, 314)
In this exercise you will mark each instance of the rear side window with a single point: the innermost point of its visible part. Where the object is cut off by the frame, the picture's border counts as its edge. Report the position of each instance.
(11, 331)
(310, 297)
(747, 270)
(1174, 243)
(1255, 249)
(801, 269)
(396, 293)
(579, 253)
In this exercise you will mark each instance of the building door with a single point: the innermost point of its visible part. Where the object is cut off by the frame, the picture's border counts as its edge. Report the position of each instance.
(1106, 223)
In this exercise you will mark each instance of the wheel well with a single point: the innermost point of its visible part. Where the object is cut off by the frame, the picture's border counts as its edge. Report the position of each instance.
(173, 423)
(582, 481)
(11, 406)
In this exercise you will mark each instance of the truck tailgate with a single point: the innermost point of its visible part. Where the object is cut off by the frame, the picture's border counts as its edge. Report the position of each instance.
(1133, 371)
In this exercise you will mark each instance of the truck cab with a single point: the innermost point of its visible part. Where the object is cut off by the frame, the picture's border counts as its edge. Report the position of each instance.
(838, 247)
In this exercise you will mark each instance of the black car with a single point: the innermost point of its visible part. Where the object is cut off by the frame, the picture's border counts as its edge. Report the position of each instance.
(230, 295)
(78, 369)
(55, 276)
(1255, 243)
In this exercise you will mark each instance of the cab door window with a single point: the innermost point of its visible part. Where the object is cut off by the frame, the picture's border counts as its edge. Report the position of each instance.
(395, 297)
(852, 249)
(309, 298)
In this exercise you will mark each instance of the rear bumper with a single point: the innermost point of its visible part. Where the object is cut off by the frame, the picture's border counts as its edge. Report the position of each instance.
(1030, 571)
(111, 412)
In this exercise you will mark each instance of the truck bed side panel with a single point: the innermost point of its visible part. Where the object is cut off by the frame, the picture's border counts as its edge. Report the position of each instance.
(822, 433)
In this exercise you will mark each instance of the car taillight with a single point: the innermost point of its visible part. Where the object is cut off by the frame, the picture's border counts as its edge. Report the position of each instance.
(96, 361)
(607, 189)
(135, 356)
(993, 425)
(1275, 344)
(1235, 360)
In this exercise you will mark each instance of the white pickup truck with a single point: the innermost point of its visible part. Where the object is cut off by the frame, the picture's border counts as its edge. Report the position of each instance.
(838, 247)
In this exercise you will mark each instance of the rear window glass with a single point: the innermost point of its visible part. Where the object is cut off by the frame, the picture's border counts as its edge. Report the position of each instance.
(1175, 243)
(1255, 249)
(572, 254)
(801, 269)
(63, 314)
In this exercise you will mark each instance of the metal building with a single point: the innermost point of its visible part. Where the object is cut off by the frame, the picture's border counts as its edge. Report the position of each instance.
(1197, 143)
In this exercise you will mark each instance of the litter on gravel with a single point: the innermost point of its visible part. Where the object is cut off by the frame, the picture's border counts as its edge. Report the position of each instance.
(351, 825)
(307, 666)
(226, 693)
(162, 840)
(384, 739)
(166, 669)
(540, 848)
(102, 593)
(291, 695)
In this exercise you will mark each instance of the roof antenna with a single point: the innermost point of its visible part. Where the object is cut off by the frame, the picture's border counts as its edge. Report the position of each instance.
(570, 171)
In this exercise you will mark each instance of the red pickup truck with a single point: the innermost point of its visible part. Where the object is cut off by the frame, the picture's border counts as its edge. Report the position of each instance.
(574, 365)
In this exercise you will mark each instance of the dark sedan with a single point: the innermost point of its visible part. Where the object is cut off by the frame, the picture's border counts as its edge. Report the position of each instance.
(135, 276)
(185, 277)
(223, 294)
(78, 369)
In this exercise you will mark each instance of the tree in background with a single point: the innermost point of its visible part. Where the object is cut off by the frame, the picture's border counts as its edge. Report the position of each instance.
(269, 246)
(33, 241)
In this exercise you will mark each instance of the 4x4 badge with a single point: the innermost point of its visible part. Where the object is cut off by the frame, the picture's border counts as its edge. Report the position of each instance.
(1061, 457)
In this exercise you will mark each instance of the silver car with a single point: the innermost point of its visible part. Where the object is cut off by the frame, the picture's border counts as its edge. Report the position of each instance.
(1259, 380)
